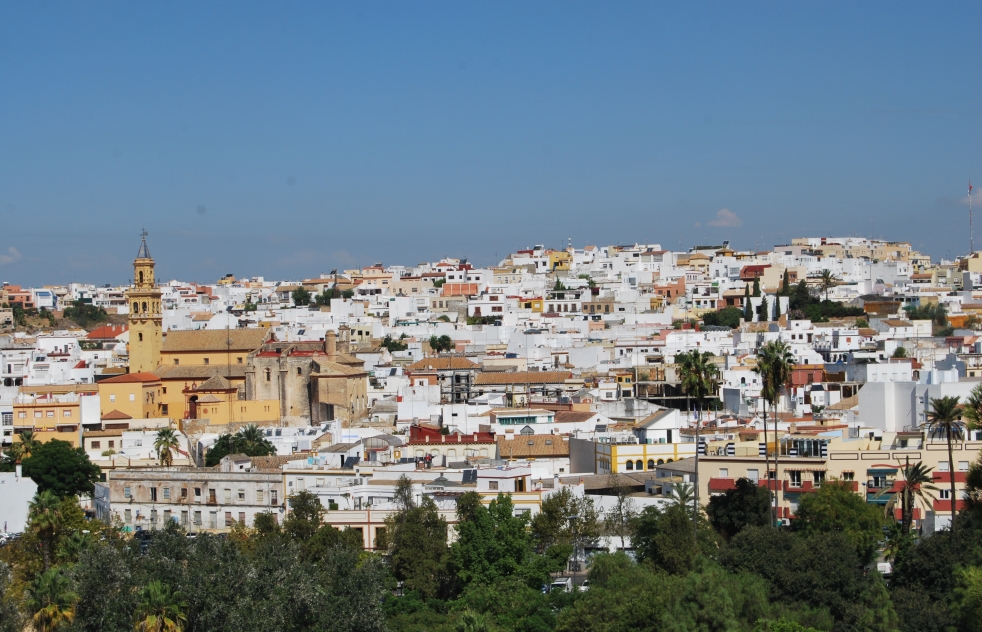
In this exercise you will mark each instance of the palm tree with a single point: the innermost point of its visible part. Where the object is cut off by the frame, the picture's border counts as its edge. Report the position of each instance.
(683, 493)
(165, 445)
(945, 420)
(774, 364)
(972, 409)
(28, 442)
(44, 517)
(70, 549)
(51, 600)
(827, 281)
(252, 439)
(161, 609)
(699, 378)
(916, 480)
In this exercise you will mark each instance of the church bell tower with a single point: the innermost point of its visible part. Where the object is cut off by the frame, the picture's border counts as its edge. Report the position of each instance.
(146, 317)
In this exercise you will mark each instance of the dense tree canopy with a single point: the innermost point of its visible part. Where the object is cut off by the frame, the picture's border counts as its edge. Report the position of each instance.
(58, 467)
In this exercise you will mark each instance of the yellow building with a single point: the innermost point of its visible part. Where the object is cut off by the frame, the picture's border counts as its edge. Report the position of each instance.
(146, 317)
(217, 400)
(136, 395)
(49, 416)
(559, 260)
(637, 457)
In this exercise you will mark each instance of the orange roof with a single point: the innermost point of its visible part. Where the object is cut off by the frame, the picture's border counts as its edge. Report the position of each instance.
(114, 415)
(106, 332)
(132, 377)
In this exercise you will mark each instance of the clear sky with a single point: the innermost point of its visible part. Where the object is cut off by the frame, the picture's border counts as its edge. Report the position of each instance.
(285, 139)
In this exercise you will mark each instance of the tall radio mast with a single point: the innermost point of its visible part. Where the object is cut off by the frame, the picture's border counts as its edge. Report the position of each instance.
(971, 236)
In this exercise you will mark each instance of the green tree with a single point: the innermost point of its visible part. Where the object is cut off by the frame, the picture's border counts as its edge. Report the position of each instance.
(249, 440)
(699, 378)
(301, 297)
(58, 467)
(968, 598)
(44, 520)
(160, 609)
(394, 345)
(28, 442)
(619, 519)
(746, 505)
(835, 508)
(756, 286)
(972, 408)
(786, 283)
(726, 317)
(565, 518)
(86, 315)
(944, 419)
(306, 513)
(492, 543)
(748, 313)
(51, 601)
(899, 352)
(664, 538)
(10, 619)
(827, 281)
(165, 444)
(418, 554)
(774, 362)
(327, 538)
(441, 344)
(915, 481)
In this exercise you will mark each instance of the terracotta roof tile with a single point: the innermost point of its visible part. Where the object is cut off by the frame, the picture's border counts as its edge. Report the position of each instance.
(215, 340)
(130, 378)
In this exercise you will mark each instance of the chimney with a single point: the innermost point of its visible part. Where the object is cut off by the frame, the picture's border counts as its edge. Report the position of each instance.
(331, 345)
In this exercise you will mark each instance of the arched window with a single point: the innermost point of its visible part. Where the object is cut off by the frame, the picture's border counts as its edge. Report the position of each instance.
(299, 371)
(639, 466)
(267, 374)
(141, 277)
(144, 307)
(629, 466)
(670, 460)
(661, 461)
(651, 464)
(136, 308)
(743, 381)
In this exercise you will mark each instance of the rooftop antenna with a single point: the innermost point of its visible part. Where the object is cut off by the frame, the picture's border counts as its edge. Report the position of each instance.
(971, 236)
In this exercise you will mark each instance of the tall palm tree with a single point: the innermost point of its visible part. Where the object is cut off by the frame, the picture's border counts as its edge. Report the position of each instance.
(699, 378)
(972, 409)
(70, 549)
(51, 600)
(827, 281)
(915, 481)
(165, 445)
(774, 364)
(944, 419)
(683, 493)
(44, 518)
(161, 609)
(28, 442)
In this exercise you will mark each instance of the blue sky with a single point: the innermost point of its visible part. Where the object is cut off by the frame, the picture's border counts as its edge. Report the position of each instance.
(285, 139)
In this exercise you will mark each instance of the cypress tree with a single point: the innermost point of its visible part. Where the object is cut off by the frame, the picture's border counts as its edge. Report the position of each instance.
(786, 283)
(756, 286)
(777, 308)
(763, 312)
(748, 315)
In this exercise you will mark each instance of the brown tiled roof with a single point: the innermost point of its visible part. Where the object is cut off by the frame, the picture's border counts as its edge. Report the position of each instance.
(845, 404)
(95, 434)
(130, 378)
(442, 364)
(200, 371)
(532, 446)
(114, 415)
(215, 383)
(522, 377)
(215, 340)
(106, 332)
(573, 416)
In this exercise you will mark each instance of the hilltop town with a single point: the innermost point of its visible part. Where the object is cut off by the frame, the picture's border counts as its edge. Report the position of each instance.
(600, 375)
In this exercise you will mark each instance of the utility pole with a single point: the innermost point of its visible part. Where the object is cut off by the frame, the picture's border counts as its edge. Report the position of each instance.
(971, 236)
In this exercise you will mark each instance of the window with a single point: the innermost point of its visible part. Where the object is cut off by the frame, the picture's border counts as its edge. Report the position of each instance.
(166, 516)
(724, 472)
(112, 443)
(197, 518)
(164, 409)
(942, 466)
(140, 337)
(184, 518)
(272, 496)
(259, 496)
(132, 397)
(963, 466)
(95, 445)
(197, 492)
(127, 492)
(629, 466)
(299, 371)
(153, 494)
(242, 495)
(795, 478)
(206, 361)
(493, 485)
(21, 415)
(944, 494)
(238, 360)
(848, 476)
(228, 495)
(128, 515)
(818, 478)
(37, 414)
(176, 361)
(241, 517)
(167, 493)
(753, 475)
(228, 519)
(66, 413)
